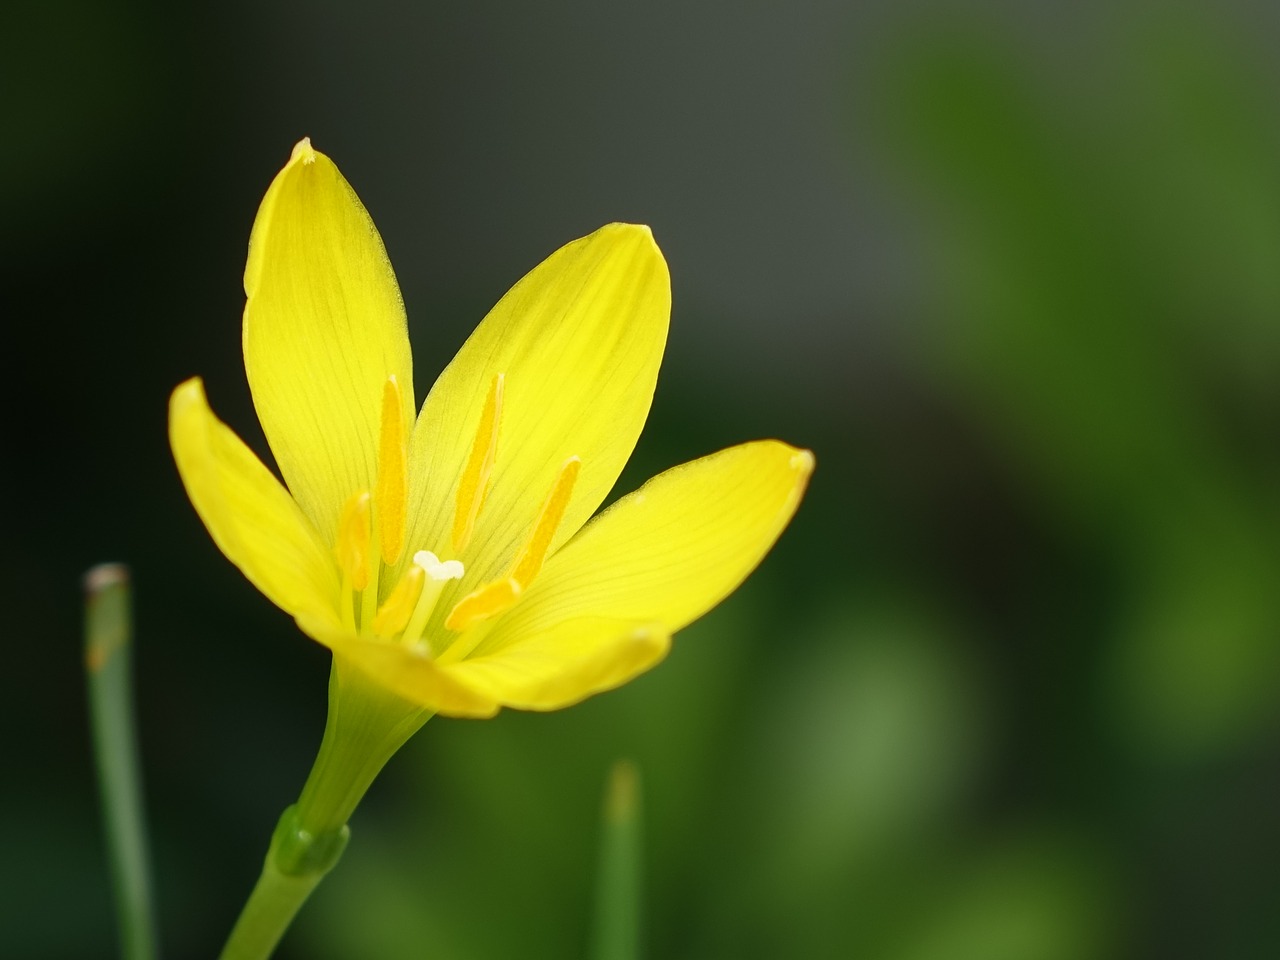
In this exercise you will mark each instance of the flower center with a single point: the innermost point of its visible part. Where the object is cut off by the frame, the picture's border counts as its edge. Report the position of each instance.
(410, 605)
(371, 533)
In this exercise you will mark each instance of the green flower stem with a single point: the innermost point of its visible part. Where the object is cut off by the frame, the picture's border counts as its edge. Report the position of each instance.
(108, 637)
(617, 921)
(365, 727)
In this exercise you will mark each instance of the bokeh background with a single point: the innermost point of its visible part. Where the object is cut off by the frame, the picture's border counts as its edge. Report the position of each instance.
(1006, 690)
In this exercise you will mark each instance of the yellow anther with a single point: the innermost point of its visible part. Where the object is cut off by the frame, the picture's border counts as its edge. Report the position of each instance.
(354, 537)
(474, 484)
(544, 529)
(393, 616)
(488, 601)
(393, 473)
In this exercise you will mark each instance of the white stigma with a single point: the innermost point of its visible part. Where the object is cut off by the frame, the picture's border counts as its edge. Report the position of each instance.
(433, 568)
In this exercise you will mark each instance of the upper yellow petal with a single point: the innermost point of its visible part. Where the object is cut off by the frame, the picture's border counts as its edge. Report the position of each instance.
(324, 329)
(578, 343)
(670, 551)
(250, 516)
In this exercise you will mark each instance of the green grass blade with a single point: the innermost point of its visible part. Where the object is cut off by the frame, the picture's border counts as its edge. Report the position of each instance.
(618, 909)
(108, 642)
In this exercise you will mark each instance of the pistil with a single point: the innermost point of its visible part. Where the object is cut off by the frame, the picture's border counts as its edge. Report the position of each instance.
(436, 574)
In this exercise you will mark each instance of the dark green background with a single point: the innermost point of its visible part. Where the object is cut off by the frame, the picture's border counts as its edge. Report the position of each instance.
(1007, 689)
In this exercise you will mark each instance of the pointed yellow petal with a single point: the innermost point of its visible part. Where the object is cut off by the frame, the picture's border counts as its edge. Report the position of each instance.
(670, 551)
(579, 340)
(565, 664)
(324, 328)
(250, 516)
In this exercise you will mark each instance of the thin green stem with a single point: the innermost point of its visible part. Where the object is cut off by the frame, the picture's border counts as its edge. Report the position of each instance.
(617, 933)
(107, 654)
(365, 727)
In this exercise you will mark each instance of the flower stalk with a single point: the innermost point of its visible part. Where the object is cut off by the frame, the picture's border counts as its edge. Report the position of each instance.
(366, 725)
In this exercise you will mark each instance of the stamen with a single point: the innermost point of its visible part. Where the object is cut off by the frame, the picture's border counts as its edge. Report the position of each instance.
(394, 614)
(352, 548)
(435, 575)
(393, 478)
(501, 595)
(544, 529)
(474, 485)
(488, 601)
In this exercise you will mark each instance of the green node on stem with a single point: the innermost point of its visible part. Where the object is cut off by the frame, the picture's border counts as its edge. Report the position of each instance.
(297, 852)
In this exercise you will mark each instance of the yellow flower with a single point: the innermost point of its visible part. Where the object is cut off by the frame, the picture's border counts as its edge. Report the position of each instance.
(446, 558)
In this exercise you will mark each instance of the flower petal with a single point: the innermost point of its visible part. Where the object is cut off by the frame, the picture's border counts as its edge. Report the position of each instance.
(324, 327)
(250, 516)
(579, 341)
(670, 551)
(552, 670)
(567, 663)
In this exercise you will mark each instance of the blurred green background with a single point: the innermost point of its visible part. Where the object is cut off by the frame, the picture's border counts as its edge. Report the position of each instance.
(1006, 690)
